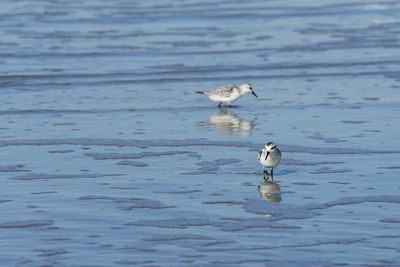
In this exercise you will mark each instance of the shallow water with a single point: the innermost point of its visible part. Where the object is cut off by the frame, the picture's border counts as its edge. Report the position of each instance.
(109, 158)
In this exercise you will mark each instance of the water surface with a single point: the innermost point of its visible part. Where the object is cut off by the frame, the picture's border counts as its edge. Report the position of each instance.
(109, 158)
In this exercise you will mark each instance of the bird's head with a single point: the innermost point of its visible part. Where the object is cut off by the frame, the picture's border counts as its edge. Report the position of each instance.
(246, 88)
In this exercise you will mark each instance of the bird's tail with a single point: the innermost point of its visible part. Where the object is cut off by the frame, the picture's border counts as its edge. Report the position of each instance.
(200, 92)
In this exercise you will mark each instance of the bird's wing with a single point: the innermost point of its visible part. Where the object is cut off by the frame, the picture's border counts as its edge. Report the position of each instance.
(259, 154)
(225, 90)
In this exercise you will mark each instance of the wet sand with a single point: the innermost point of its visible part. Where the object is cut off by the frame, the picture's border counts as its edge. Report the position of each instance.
(110, 158)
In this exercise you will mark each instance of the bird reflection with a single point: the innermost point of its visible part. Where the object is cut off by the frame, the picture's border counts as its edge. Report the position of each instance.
(270, 190)
(228, 123)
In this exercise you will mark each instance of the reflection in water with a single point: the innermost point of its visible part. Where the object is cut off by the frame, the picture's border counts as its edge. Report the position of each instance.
(228, 123)
(270, 190)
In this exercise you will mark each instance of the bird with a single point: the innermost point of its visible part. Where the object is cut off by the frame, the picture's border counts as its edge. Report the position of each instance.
(269, 157)
(228, 93)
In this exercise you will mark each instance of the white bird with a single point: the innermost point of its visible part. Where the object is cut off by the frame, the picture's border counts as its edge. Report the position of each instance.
(227, 93)
(269, 157)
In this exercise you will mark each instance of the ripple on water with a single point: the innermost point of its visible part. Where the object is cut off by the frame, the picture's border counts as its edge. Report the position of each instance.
(56, 239)
(134, 262)
(362, 199)
(390, 167)
(342, 183)
(26, 224)
(308, 163)
(388, 236)
(43, 192)
(132, 163)
(61, 151)
(354, 122)
(292, 211)
(105, 156)
(13, 168)
(178, 223)
(50, 252)
(178, 191)
(329, 170)
(34, 176)
(131, 203)
(320, 136)
(278, 209)
(166, 238)
(186, 143)
(238, 224)
(227, 202)
(303, 183)
(390, 220)
(256, 222)
(207, 167)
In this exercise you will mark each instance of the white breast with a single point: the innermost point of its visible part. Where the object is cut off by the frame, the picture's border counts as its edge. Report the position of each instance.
(219, 98)
(272, 161)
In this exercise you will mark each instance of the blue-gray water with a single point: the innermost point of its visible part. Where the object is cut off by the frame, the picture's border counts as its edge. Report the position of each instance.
(109, 158)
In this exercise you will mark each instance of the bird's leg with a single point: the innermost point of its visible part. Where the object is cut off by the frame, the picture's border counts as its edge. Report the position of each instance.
(272, 174)
(266, 178)
(266, 172)
(220, 103)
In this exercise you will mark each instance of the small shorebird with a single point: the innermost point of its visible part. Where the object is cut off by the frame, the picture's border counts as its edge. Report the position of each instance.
(227, 93)
(269, 157)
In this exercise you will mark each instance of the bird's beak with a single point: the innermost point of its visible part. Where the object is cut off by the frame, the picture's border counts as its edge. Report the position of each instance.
(267, 155)
(254, 93)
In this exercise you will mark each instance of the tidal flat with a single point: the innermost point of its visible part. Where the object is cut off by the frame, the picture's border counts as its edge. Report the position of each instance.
(109, 158)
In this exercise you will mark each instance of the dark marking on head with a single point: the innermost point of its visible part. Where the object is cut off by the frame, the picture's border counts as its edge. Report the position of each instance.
(271, 145)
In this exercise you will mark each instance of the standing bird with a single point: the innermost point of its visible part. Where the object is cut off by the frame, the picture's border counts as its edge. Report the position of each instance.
(269, 157)
(227, 93)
